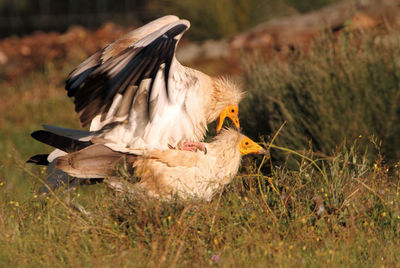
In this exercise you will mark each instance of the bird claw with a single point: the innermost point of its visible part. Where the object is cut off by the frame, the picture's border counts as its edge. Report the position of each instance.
(194, 146)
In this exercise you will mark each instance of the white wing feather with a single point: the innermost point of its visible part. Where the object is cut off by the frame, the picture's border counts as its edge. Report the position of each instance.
(169, 122)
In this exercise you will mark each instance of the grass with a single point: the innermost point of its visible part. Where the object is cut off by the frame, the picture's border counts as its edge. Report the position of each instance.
(339, 208)
(348, 213)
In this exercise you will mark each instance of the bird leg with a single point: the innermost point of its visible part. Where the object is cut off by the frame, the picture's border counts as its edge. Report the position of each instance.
(194, 146)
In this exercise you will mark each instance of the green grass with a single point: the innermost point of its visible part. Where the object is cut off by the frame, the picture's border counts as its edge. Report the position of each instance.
(258, 219)
(339, 207)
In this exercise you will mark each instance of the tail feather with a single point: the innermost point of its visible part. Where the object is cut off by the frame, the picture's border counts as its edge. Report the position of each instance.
(56, 179)
(66, 141)
(95, 161)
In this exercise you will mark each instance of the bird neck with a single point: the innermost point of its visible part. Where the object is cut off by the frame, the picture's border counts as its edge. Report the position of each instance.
(225, 149)
(223, 93)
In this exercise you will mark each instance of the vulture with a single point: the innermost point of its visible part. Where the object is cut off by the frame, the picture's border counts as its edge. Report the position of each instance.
(135, 93)
(160, 173)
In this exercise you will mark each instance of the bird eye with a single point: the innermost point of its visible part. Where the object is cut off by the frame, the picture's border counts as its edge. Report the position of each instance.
(247, 143)
(232, 111)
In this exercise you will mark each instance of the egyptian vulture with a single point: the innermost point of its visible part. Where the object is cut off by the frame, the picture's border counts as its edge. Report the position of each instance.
(164, 173)
(135, 93)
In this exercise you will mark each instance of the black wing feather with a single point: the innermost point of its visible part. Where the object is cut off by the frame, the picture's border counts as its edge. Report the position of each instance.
(39, 159)
(63, 143)
(153, 73)
(95, 88)
(89, 65)
(168, 63)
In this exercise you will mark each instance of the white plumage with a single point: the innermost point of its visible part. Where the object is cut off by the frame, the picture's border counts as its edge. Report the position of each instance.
(165, 173)
(135, 93)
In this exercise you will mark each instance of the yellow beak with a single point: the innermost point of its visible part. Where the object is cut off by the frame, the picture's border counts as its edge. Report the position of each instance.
(230, 111)
(247, 146)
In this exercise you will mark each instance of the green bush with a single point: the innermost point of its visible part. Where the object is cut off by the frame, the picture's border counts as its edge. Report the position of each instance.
(216, 19)
(342, 89)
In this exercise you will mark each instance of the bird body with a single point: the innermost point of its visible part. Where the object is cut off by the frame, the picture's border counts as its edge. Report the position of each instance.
(137, 94)
(174, 122)
(166, 173)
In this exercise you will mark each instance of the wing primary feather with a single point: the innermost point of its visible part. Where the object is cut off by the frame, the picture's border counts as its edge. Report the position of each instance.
(119, 82)
(168, 63)
(176, 30)
(60, 142)
(94, 83)
(171, 51)
(72, 84)
(90, 99)
(154, 57)
(153, 73)
(143, 67)
(125, 66)
(71, 133)
(87, 102)
(82, 71)
(125, 62)
(133, 75)
(39, 159)
(125, 105)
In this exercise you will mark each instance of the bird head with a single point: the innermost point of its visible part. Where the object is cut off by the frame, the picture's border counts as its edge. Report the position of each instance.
(227, 97)
(247, 146)
(230, 111)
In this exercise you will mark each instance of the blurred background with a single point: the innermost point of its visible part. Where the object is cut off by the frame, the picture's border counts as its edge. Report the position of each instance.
(322, 82)
(211, 19)
(327, 69)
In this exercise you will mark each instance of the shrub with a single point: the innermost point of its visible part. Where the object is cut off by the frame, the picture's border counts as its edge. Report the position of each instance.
(216, 19)
(343, 89)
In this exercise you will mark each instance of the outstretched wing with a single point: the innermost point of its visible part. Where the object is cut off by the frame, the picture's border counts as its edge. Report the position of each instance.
(107, 82)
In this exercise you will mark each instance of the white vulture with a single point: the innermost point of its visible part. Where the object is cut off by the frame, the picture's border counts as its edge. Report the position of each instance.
(162, 174)
(135, 93)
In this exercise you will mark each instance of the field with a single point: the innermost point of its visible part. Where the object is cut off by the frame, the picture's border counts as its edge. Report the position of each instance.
(329, 195)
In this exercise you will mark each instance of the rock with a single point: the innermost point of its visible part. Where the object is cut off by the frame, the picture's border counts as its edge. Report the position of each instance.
(362, 21)
(207, 50)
